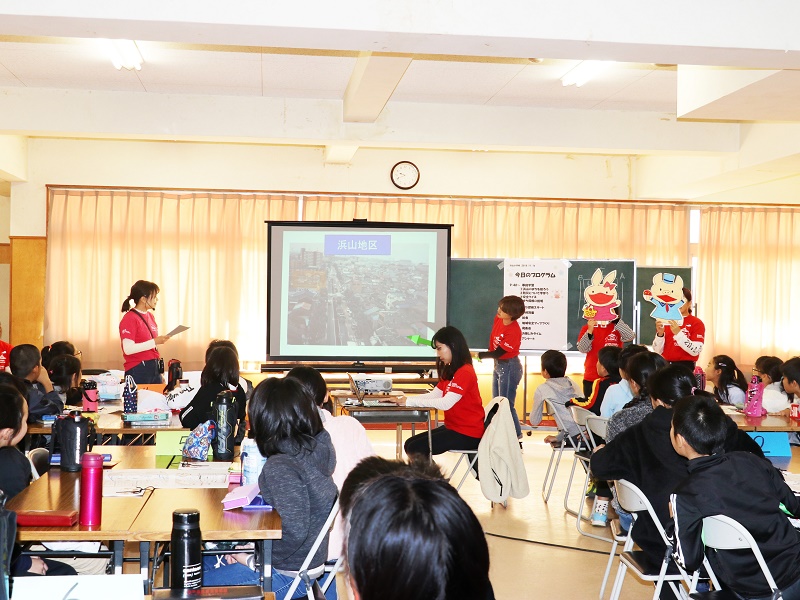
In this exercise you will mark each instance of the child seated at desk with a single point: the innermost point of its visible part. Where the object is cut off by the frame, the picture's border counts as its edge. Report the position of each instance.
(16, 474)
(296, 480)
(26, 364)
(741, 486)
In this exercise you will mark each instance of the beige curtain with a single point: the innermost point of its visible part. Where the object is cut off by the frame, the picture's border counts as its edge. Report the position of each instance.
(652, 234)
(395, 210)
(206, 251)
(749, 282)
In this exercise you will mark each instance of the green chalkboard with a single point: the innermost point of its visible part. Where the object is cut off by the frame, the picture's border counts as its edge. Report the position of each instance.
(580, 275)
(474, 289)
(646, 327)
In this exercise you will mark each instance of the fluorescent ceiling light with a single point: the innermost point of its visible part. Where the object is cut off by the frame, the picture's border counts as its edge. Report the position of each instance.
(584, 71)
(123, 53)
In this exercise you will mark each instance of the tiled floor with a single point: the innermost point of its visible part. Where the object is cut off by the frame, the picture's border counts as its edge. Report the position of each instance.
(536, 551)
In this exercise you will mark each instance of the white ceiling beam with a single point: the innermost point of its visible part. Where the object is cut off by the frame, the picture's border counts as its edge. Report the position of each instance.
(738, 94)
(372, 83)
(339, 154)
(13, 157)
(714, 32)
(242, 119)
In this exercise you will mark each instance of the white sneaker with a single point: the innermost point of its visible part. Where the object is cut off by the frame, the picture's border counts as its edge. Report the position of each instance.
(600, 513)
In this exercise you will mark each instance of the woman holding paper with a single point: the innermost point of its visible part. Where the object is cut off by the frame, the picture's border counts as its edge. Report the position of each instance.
(138, 333)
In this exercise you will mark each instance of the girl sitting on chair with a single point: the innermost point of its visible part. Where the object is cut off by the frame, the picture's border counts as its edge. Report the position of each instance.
(457, 394)
(296, 481)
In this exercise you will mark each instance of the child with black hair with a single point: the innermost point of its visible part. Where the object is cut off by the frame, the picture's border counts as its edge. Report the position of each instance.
(558, 389)
(619, 395)
(774, 398)
(504, 343)
(26, 364)
(741, 486)
(643, 455)
(220, 373)
(607, 375)
(15, 475)
(58, 349)
(729, 382)
(640, 367)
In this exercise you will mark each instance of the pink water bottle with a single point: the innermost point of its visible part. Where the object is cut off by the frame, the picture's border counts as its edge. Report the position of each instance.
(700, 378)
(91, 489)
(755, 393)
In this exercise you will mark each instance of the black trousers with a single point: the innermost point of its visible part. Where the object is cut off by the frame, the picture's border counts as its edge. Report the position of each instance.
(442, 440)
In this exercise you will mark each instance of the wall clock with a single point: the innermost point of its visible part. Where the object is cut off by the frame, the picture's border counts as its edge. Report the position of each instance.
(405, 175)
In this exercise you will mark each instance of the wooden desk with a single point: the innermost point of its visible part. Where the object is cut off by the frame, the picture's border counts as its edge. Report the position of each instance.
(154, 524)
(110, 424)
(58, 490)
(767, 423)
(392, 414)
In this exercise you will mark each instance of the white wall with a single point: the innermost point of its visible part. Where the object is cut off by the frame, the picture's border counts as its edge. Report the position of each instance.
(294, 168)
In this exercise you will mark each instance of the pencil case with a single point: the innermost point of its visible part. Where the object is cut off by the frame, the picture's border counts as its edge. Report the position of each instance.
(47, 518)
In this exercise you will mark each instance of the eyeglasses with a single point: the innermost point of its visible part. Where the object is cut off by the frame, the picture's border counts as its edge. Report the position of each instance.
(757, 372)
(78, 353)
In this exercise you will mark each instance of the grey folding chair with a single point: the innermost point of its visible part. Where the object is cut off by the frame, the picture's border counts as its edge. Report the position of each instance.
(583, 417)
(633, 500)
(308, 576)
(723, 533)
(566, 444)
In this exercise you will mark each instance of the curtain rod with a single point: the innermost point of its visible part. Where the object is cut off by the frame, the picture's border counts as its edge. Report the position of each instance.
(484, 198)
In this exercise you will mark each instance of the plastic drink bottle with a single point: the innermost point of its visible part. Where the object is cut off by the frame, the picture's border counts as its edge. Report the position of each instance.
(223, 411)
(700, 378)
(91, 506)
(186, 566)
(755, 393)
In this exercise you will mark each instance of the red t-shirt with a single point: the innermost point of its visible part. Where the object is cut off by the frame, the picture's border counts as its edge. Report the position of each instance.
(602, 336)
(133, 327)
(466, 415)
(694, 329)
(5, 350)
(508, 337)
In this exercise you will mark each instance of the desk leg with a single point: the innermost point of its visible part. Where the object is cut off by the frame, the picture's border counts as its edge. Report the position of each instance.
(144, 565)
(399, 441)
(117, 547)
(266, 564)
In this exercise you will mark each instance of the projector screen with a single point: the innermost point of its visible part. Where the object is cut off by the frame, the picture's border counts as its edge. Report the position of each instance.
(355, 290)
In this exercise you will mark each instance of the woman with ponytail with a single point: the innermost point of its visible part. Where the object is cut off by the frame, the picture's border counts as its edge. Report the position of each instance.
(138, 333)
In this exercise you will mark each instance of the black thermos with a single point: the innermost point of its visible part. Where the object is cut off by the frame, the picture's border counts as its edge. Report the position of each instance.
(186, 565)
(223, 411)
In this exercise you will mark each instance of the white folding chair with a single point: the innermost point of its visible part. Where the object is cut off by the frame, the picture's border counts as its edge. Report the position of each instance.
(633, 500)
(723, 533)
(582, 417)
(309, 576)
(473, 453)
(566, 444)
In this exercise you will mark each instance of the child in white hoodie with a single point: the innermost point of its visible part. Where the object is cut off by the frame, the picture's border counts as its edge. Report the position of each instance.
(559, 390)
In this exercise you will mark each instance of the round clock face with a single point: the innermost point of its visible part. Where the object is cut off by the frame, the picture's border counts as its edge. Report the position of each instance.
(405, 175)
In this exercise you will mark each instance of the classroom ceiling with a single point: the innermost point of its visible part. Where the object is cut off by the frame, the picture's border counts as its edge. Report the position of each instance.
(466, 76)
(63, 63)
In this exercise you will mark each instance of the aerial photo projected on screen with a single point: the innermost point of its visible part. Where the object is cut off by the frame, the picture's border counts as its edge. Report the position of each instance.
(361, 293)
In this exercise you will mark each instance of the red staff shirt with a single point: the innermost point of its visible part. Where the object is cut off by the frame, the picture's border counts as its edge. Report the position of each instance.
(466, 415)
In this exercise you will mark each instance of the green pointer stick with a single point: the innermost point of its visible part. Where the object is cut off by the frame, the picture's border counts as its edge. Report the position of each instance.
(419, 340)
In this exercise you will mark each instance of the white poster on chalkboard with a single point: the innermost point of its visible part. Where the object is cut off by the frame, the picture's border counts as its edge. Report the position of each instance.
(542, 284)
